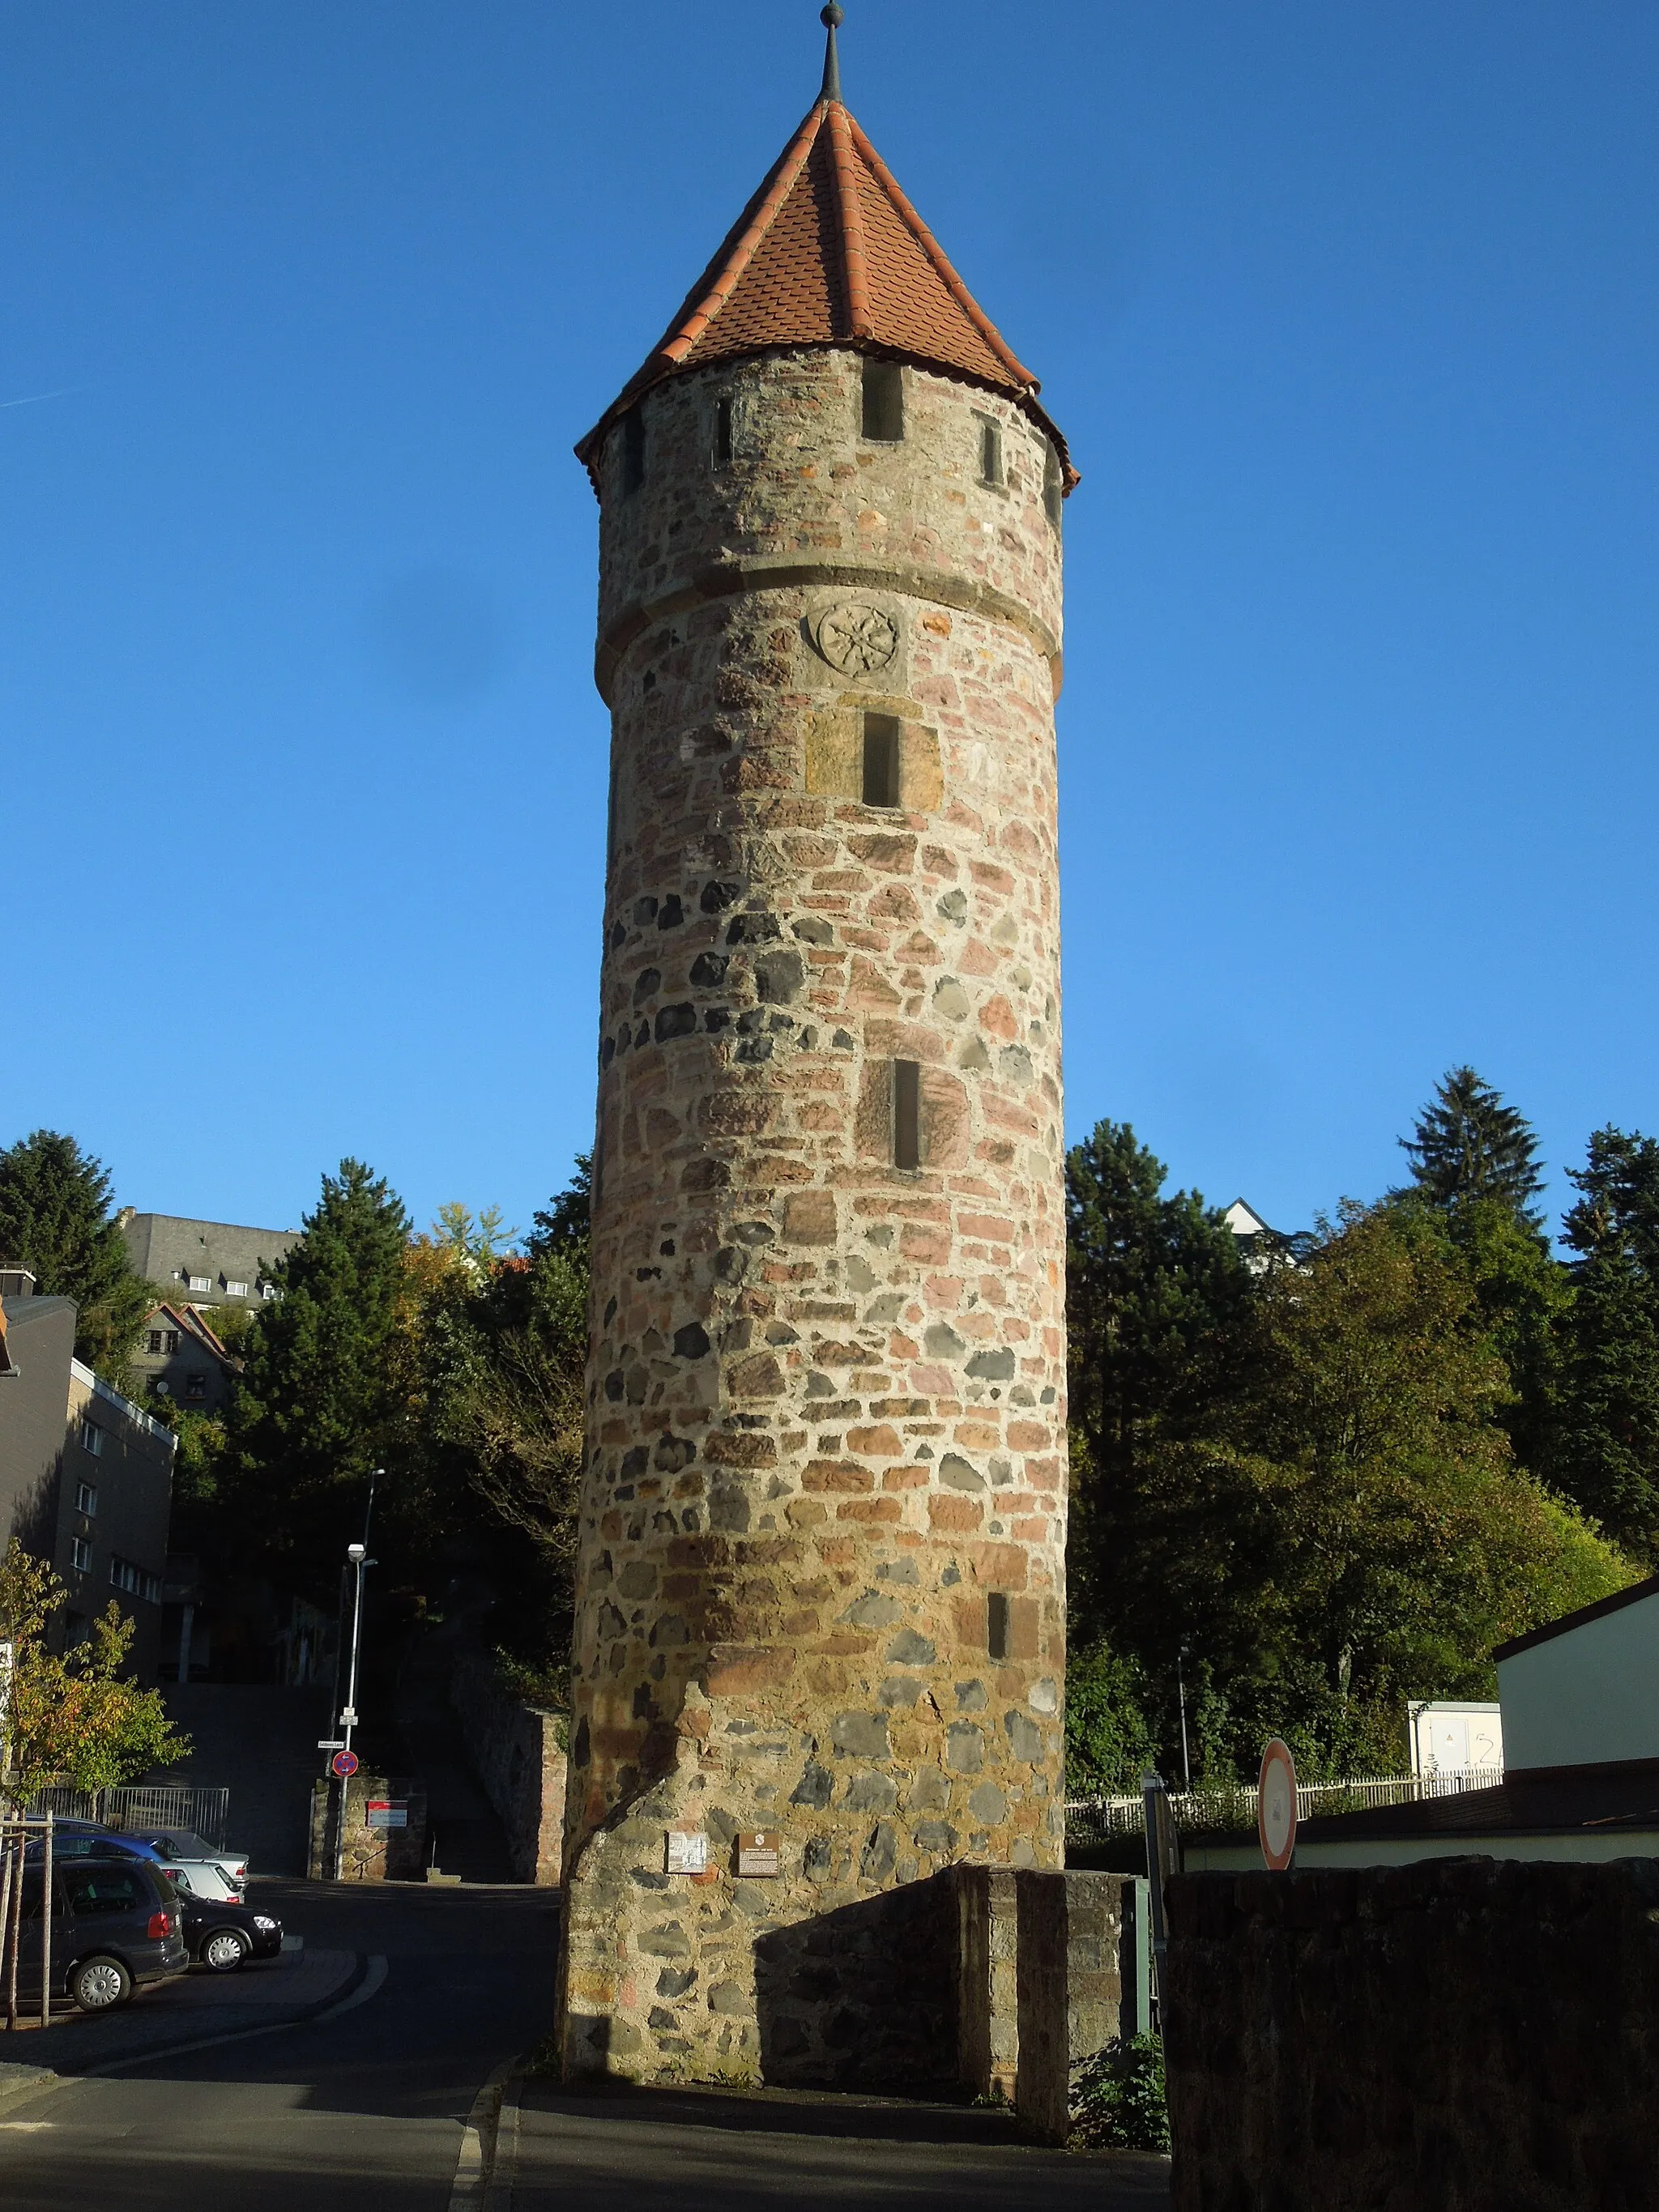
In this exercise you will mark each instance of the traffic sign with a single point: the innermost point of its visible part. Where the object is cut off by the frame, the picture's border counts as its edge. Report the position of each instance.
(1275, 1806)
(343, 1763)
(331, 1743)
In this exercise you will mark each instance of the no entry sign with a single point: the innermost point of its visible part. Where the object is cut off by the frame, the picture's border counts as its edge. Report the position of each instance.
(1275, 1806)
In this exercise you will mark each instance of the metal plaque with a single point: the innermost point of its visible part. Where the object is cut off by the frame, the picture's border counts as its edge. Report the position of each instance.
(758, 1852)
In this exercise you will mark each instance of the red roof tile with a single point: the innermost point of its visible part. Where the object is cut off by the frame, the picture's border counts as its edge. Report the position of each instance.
(829, 251)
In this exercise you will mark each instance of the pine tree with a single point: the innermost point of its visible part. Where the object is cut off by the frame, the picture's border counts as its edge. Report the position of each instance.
(324, 1393)
(1607, 1453)
(1469, 1144)
(55, 1221)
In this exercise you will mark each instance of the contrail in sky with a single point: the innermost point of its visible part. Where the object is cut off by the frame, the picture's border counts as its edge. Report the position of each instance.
(35, 398)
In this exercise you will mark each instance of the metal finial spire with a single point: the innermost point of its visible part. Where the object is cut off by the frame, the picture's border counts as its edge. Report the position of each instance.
(831, 17)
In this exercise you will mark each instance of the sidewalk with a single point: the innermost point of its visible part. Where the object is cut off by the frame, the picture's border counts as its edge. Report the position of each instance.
(619, 2149)
(264, 1993)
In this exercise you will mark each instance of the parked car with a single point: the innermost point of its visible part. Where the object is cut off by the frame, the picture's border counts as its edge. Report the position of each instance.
(225, 1936)
(84, 1839)
(117, 1925)
(183, 1847)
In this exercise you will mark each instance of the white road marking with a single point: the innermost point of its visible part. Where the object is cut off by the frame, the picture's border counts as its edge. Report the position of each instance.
(370, 1986)
(476, 2159)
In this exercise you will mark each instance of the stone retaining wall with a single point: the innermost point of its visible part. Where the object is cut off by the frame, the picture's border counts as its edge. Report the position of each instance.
(517, 1755)
(1462, 2035)
(369, 1854)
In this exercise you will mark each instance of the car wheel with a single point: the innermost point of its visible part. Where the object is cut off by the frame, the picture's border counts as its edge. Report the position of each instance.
(224, 1949)
(100, 1984)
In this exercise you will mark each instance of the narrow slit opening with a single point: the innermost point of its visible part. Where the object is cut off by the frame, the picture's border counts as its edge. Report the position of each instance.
(884, 401)
(996, 1624)
(633, 450)
(907, 1114)
(722, 432)
(881, 760)
(990, 453)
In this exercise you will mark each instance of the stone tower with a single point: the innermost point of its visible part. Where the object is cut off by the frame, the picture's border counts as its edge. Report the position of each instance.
(819, 1647)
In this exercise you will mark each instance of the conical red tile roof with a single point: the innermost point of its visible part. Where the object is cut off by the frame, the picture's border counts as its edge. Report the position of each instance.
(830, 252)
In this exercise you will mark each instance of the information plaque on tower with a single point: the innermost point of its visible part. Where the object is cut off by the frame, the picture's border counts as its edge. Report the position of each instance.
(687, 1854)
(758, 1852)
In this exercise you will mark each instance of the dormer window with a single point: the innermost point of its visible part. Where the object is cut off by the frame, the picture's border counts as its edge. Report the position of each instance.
(883, 402)
(633, 450)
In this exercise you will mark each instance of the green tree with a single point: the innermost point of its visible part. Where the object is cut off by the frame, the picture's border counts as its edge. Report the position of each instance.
(1158, 1299)
(1606, 1453)
(73, 1718)
(1469, 1144)
(325, 1395)
(1354, 1532)
(55, 1221)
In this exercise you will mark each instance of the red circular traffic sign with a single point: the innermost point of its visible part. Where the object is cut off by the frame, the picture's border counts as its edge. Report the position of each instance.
(343, 1763)
(1275, 1806)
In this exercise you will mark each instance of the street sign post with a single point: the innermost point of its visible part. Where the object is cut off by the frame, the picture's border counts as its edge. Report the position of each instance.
(1275, 1806)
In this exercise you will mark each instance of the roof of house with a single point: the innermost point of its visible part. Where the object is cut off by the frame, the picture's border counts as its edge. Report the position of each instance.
(170, 1248)
(1569, 1621)
(830, 252)
(195, 1324)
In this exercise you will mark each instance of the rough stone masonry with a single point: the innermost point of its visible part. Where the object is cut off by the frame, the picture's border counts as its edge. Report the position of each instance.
(820, 1613)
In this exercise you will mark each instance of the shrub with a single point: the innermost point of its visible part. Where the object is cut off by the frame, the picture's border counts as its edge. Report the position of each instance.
(1117, 2097)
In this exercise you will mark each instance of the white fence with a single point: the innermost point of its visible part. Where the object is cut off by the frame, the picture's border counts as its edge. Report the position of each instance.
(1093, 1819)
(145, 1805)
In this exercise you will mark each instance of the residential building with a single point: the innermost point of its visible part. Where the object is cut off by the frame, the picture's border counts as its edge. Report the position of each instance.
(204, 1263)
(86, 1477)
(179, 1357)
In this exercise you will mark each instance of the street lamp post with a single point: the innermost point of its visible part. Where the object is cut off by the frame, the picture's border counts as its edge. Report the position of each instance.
(357, 1556)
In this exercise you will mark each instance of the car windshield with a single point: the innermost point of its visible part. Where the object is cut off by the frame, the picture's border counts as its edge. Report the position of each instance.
(179, 1843)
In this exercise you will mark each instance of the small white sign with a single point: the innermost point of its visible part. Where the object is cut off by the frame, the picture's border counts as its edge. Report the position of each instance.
(687, 1854)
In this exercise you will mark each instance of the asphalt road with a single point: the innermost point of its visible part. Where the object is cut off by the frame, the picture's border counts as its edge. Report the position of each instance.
(414, 2002)
(363, 2107)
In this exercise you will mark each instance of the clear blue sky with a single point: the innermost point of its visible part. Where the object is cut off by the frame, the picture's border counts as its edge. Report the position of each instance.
(1350, 313)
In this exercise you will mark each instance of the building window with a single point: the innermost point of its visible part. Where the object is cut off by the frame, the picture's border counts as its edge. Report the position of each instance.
(136, 1582)
(201, 1282)
(92, 1439)
(996, 1624)
(881, 760)
(81, 1555)
(267, 1290)
(990, 453)
(153, 1340)
(196, 1388)
(884, 401)
(633, 450)
(170, 1340)
(907, 1114)
(85, 1499)
(1053, 488)
(235, 1290)
(722, 433)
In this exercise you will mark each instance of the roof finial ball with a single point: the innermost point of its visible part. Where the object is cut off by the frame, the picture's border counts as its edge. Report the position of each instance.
(832, 18)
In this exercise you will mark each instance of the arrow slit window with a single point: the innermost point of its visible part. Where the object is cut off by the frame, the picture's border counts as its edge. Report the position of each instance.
(883, 402)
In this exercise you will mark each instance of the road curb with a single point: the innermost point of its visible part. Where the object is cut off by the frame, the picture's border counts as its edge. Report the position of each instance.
(473, 2187)
(354, 1989)
(504, 2165)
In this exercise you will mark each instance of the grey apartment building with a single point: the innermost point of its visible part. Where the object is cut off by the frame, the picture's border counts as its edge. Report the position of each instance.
(86, 1477)
(203, 1263)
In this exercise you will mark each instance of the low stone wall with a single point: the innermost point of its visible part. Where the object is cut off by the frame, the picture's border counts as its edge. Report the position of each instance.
(979, 1981)
(516, 1754)
(369, 1854)
(1468, 2035)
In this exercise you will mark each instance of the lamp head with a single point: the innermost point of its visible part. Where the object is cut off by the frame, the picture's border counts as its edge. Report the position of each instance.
(357, 1551)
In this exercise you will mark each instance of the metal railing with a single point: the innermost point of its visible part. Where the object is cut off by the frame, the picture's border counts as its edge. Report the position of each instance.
(145, 1805)
(1095, 1819)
